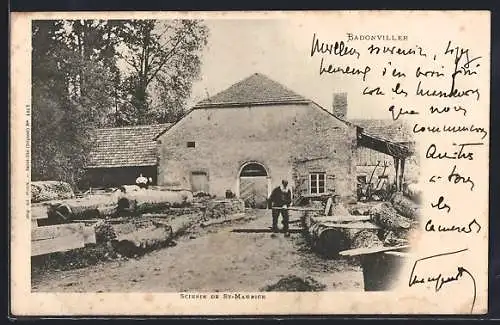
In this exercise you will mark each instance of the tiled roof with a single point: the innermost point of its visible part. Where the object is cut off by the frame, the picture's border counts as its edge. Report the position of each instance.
(125, 146)
(396, 131)
(254, 90)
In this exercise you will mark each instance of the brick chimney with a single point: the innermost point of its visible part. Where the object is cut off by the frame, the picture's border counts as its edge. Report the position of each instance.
(340, 105)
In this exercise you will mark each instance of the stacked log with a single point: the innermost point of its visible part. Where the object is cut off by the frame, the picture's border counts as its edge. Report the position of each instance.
(50, 190)
(405, 206)
(330, 235)
(414, 192)
(90, 207)
(151, 200)
(138, 242)
(387, 217)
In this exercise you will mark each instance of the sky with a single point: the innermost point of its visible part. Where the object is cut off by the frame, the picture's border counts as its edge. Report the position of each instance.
(280, 49)
(238, 48)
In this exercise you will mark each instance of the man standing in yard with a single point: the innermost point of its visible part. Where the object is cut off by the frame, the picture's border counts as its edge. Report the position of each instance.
(141, 181)
(279, 201)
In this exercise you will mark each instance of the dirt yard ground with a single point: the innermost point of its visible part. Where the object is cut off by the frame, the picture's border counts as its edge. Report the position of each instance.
(211, 259)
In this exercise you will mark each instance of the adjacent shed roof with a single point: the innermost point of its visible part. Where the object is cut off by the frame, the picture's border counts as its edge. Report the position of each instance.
(125, 146)
(395, 131)
(256, 89)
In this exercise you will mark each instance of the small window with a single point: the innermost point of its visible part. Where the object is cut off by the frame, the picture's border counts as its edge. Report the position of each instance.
(191, 144)
(317, 183)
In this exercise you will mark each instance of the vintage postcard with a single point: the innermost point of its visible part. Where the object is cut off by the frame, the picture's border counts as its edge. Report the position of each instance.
(249, 163)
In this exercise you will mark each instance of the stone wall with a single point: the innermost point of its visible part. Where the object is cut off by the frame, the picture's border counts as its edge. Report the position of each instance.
(220, 208)
(277, 136)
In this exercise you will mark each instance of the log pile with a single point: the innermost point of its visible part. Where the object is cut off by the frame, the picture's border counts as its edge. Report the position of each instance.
(405, 206)
(50, 190)
(362, 226)
(114, 204)
(90, 207)
(137, 242)
(152, 200)
(328, 236)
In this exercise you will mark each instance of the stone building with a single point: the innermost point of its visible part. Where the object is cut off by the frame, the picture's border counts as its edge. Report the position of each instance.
(249, 137)
(245, 140)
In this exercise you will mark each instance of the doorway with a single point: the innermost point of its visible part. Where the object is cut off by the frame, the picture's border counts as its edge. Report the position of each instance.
(254, 185)
(199, 181)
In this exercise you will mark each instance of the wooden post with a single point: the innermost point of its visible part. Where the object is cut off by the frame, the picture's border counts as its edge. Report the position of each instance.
(401, 174)
(396, 167)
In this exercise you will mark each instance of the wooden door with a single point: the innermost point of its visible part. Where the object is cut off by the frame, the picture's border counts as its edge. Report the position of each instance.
(253, 190)
(199, 182)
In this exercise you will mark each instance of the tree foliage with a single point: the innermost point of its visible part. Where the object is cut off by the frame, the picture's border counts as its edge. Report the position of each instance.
(88, 73)
(163, 58)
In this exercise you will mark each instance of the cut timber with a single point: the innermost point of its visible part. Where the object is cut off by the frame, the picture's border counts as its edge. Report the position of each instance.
(331, 234)
(50, 239)
(151, 200)
(365, 239)
(39, 211)
(387, 217)
(181, 224)
(405, 206)
(264, 230)
(372, 250)
(233, 217)
(352, 225)
(299, 209)
(340, 219)
(83, 208)
(328, 241)
(328, 207)
(50, 190)
(138, 242)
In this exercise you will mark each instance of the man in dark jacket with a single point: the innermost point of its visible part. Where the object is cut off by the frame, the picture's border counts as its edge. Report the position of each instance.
(281, 197)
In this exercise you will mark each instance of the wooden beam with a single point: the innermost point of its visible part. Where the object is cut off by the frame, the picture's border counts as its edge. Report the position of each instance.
(347, 218)
(350, 225)
(372, 250)
(264, 230)
(396, 168)
(297, 209)
(58, 238)
(401, 174)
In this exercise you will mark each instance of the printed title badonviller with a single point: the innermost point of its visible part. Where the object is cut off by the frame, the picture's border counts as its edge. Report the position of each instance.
(375, 37)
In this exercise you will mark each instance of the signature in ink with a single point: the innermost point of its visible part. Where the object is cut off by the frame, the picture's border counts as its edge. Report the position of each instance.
(439, 279)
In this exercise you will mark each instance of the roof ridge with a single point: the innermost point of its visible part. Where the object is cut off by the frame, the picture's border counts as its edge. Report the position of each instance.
(256, 88)
(133, 126)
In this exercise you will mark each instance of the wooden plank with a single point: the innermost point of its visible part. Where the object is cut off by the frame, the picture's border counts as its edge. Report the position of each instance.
(297, 209)
(372, 250)
(263, 230)
(328, 207)
(39, 211)
(50, 232)
(351, 225)
(59, 244)
(398, 254)
(89, 235)
(348, 218)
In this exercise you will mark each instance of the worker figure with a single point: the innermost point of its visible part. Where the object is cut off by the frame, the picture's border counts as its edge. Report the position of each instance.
(281, 197)
(142, 181)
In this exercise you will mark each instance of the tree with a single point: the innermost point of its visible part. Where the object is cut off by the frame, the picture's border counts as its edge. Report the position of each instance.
(72, 91)
(164, 59)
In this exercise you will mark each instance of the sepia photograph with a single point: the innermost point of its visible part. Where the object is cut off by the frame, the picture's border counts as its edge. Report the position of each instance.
(235, 158)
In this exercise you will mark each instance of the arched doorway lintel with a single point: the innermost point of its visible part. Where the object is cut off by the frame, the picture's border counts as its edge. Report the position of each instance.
(256, 175)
